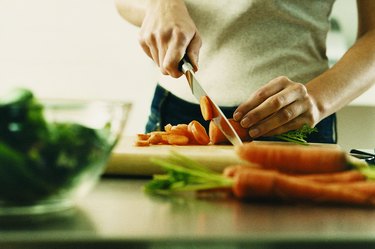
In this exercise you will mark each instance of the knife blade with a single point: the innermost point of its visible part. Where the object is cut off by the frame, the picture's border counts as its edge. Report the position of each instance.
(218, 118)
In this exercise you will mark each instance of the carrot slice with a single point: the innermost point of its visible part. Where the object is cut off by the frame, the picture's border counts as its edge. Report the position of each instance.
(180, 129)
(141, 143)
(199, 132)
(155, 138)
(217, 137)
(206, 108)
(175, 139)
(167, 127)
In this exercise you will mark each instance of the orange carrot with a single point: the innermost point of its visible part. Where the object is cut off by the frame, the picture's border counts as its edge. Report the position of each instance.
(141, 143)
(175, 139)
(199, 132)
(181, 134)
(206, 108)
(167, 127)
(142, 136)
(180, 129)
(294, 158)
(258, 183)
(155, 138)
(347, 176)
(217, 137)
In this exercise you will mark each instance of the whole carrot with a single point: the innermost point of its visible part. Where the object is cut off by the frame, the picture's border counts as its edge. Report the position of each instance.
(294, 158)
(258, 183)
(347, 176)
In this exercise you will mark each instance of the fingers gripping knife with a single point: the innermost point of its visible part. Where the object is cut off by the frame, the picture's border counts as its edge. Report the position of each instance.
(218, 116)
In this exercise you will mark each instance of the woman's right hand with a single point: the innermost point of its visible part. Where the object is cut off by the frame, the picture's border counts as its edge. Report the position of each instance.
(167, 33)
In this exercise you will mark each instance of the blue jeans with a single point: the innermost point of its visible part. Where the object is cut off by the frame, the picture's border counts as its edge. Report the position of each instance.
(166, 108)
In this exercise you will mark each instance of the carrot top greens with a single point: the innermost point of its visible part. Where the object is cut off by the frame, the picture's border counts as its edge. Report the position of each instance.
(297, 136)
(184, 174)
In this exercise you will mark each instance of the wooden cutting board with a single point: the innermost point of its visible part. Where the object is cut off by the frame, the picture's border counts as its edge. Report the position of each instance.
(128, 159)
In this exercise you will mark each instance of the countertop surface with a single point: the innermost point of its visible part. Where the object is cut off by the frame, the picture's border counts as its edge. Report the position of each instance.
(118, 214)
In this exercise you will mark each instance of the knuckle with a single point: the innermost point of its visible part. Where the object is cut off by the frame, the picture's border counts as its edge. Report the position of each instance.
(283, 80)
(301, 88)
(260, 95)
(148, 38)
(163, 35)
(168, 66)
(277, 102)
(287, 114)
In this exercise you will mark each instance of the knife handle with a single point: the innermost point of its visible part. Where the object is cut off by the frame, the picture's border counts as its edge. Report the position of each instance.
(185, 65)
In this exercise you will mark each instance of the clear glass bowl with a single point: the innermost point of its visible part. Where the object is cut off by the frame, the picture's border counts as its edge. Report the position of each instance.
(53, 153)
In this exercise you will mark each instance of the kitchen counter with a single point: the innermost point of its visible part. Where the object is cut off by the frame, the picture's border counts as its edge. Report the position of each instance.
(117, 214)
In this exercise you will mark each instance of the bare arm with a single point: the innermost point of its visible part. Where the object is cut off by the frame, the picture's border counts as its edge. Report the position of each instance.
(355, 71)
(167, 31)
(132, 11)
(282, 105)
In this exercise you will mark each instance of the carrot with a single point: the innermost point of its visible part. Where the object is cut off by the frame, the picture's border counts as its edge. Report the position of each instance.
(206, 108)
(217, 137)
(181, 134)
(175, 139)
(167, 127)
(294, 158)
(155, 138)
(258, 183)
(180, 129)
(141, 143)
(142, 136)
(348, 176)
(199, 132)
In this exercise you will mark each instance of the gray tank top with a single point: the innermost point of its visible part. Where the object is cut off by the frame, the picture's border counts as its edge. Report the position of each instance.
(246, 43)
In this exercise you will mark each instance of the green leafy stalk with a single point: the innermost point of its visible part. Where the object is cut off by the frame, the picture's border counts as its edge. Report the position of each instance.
(182, 175)
(297, 136)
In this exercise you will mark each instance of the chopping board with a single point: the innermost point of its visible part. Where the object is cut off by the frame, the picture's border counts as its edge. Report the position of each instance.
(127, 159)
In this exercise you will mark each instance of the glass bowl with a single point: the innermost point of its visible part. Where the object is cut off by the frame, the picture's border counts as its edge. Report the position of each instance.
(53, 151)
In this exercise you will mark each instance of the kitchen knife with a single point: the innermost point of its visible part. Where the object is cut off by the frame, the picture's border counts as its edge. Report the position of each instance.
(219, 118)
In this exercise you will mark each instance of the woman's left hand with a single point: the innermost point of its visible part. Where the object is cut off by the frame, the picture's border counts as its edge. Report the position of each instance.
(279, 106)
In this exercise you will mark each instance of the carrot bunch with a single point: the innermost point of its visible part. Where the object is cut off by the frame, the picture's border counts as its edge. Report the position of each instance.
(193, 133)
(270, 172)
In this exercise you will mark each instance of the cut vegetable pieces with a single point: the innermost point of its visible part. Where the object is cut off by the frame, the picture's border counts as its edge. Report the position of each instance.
(217, 136)
(199, 132)
(193, 133)
(206, 108)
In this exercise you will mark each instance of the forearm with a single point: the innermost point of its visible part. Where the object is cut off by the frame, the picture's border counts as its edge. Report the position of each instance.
(351, 76)
(132, 11)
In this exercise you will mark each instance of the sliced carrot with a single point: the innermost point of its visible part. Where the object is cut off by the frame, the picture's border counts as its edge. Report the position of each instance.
(206, 108)
(180, 129)
(167, 127)
(199, 132)
(217, 137)
(141, 136)
(294, 158)
(175, 139)
(141, 143)
(155, 138)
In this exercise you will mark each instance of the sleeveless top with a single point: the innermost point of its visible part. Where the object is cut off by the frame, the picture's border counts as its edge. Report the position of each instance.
(246, 43)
